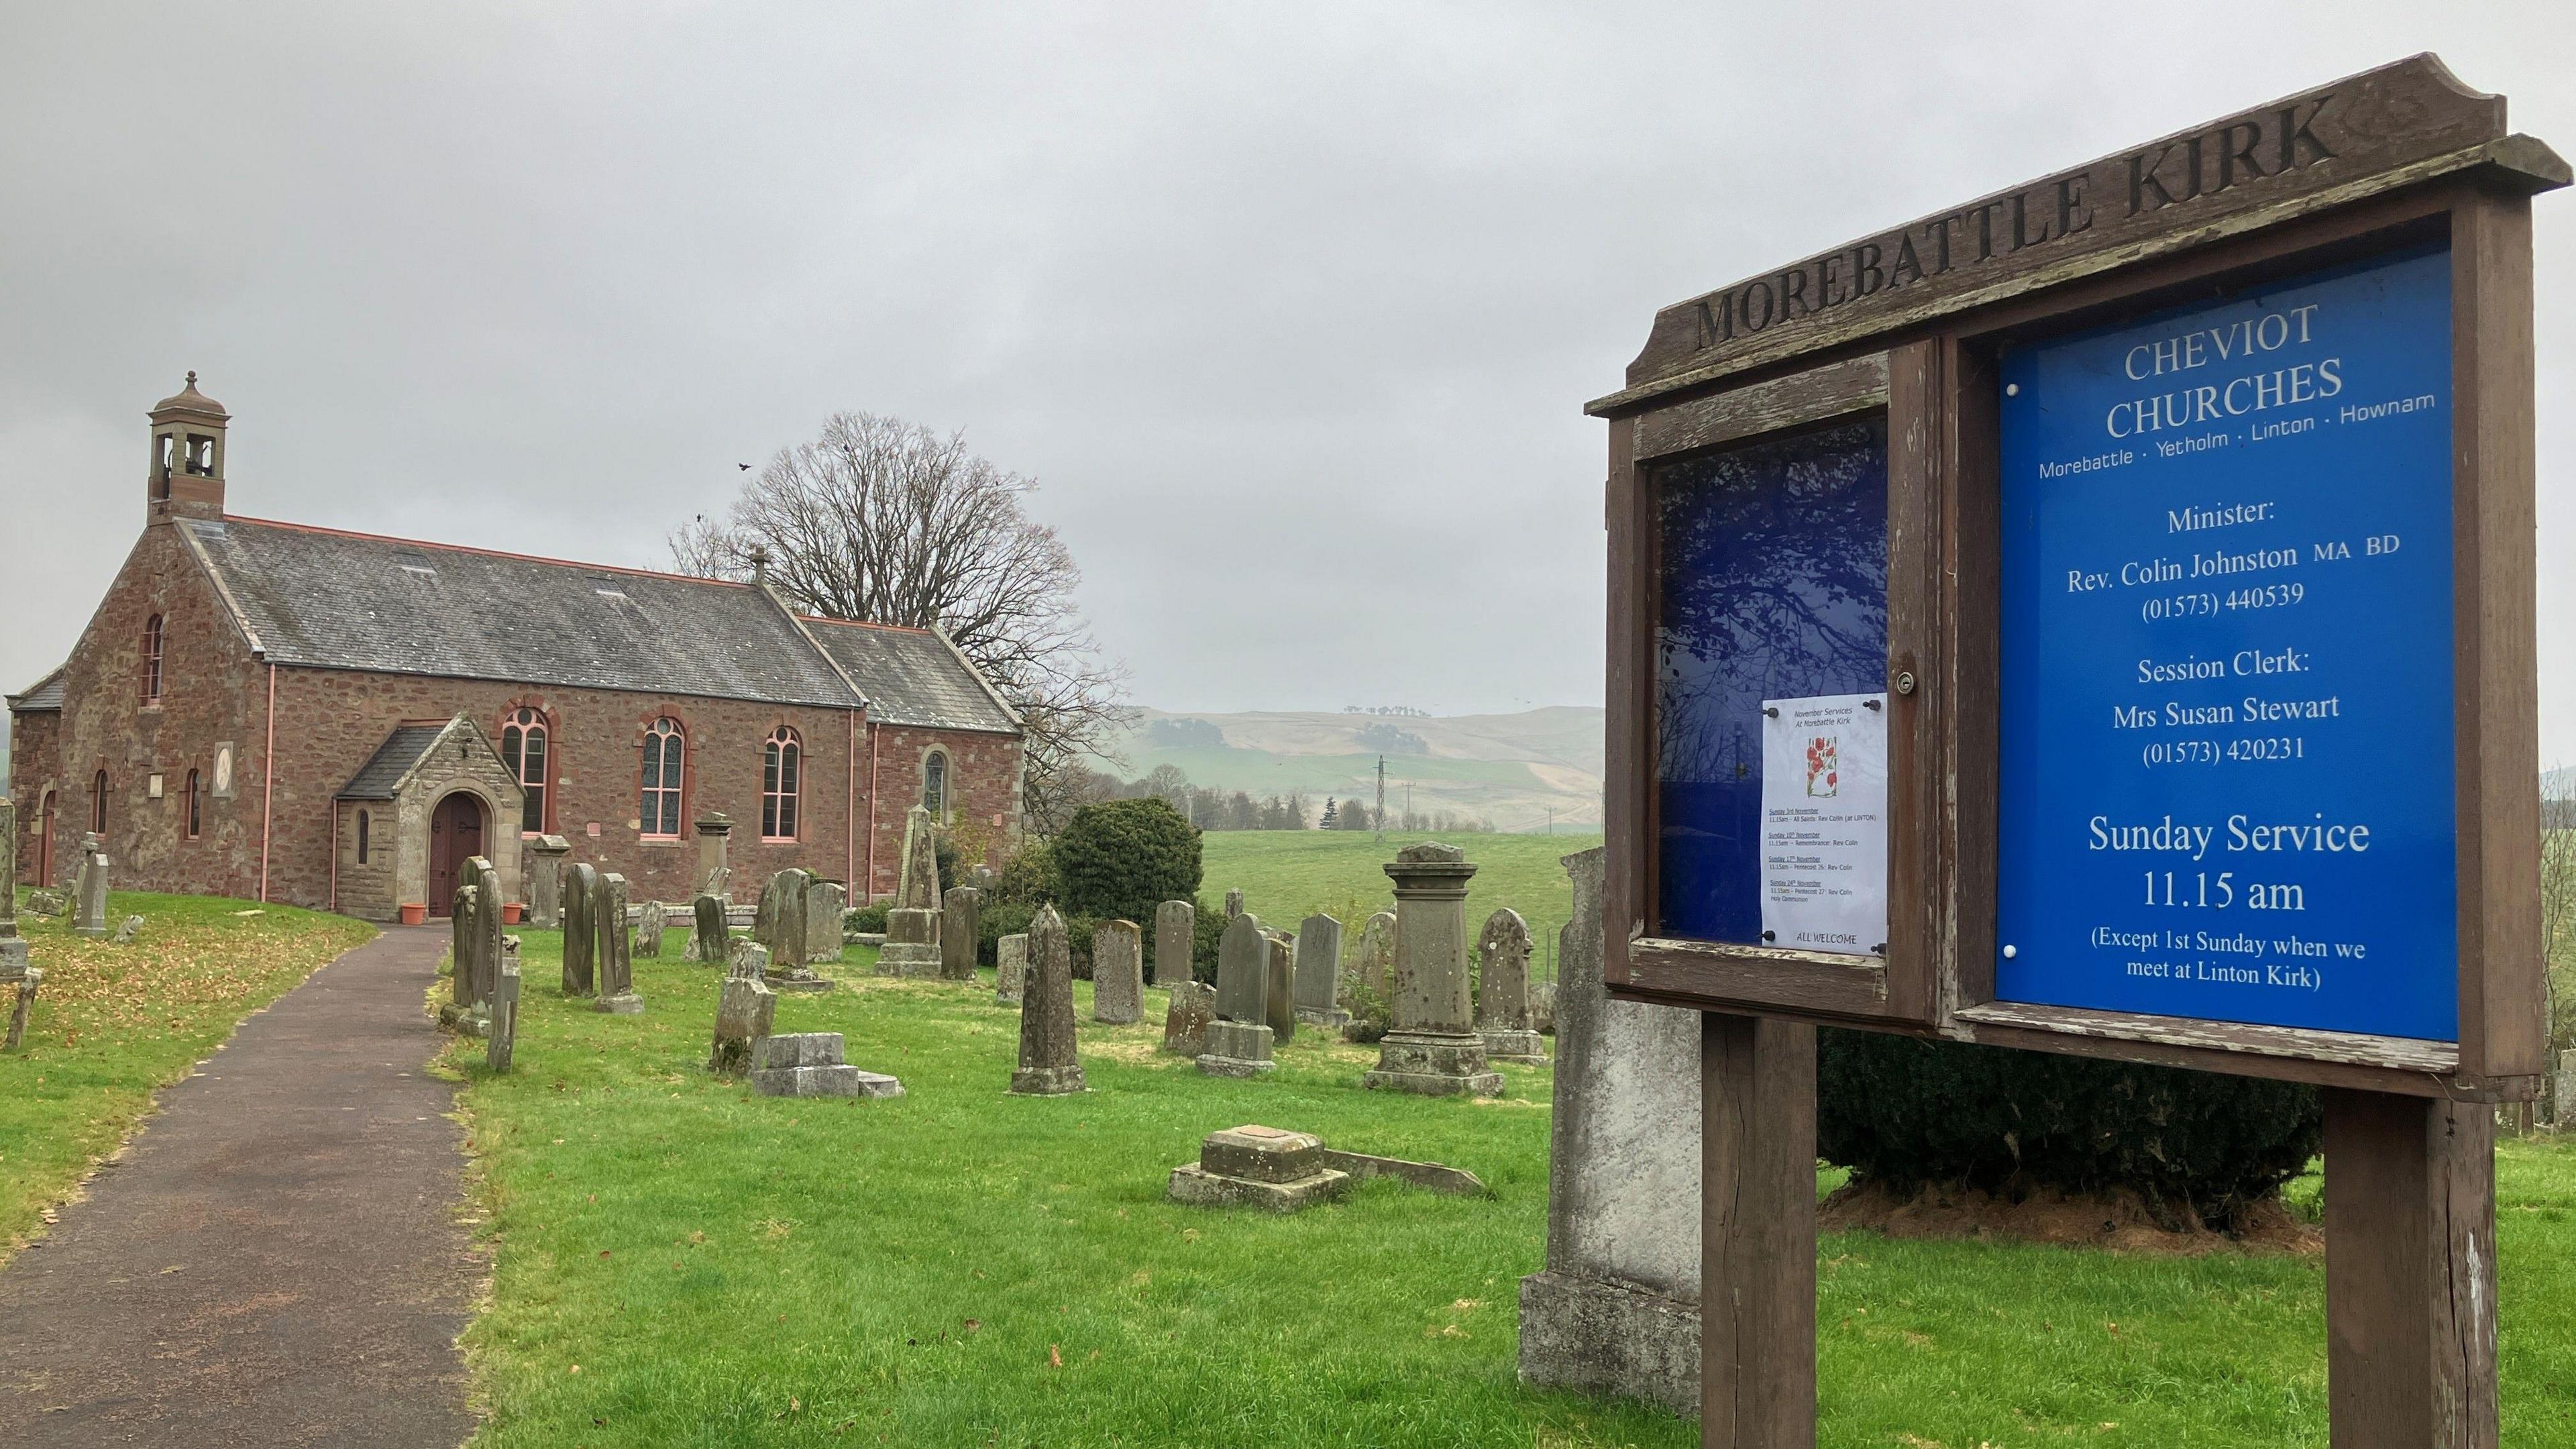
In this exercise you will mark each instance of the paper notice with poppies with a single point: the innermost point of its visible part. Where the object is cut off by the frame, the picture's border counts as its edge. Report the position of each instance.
(1824, 823)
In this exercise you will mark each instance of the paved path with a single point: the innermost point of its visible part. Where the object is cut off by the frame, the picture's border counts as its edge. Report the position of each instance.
(276, 1262)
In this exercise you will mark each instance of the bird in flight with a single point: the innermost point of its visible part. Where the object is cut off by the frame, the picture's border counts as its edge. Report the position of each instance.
(746, 467)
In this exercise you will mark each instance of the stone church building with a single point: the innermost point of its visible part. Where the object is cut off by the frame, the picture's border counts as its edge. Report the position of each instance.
(338, 720)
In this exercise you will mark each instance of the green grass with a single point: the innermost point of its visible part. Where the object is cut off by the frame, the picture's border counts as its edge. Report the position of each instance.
(114, 1024)
(1287, 874)
(963, 1267)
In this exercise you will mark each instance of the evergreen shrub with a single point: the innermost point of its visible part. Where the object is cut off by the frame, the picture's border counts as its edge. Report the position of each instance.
(1122, 858)
(1904, 1114)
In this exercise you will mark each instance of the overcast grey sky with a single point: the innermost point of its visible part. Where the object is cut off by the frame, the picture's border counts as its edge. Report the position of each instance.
(1291, 309)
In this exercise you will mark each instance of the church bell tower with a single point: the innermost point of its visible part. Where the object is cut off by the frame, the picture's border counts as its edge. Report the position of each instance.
(187, 477)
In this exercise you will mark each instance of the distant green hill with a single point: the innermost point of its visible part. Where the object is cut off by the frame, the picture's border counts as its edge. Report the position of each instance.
(1509, 768)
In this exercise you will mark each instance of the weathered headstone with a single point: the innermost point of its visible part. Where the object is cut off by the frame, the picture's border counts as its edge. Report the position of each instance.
(746, 956)
(1376, 964)
(1239, 1040)
(1175, 940)
(1431, 1045)
(1319, 971)
(542, 868)
(744, 1011)
(128, 930)
(808, 1064)
(89, 907)
(17, 978)
(1118, 973)
(8, 887)
(460, 956)
(1617, 1309)
(1185, 1021)
(1279, 996)
(26, 983)
(1233, 904)
(710, 935)
(1260, 1167)
(827, 902)
(713, 874)
(616, 966)
(503, 1043)
(912, 923)
(1010, 968)
(487, 931)
(1502, 996)
(650, 920)
(961, 919)
(47, 903)
(580, 933)
(785, 905)
(1048, 1066)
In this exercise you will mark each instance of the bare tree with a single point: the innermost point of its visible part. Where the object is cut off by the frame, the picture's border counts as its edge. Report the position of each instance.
(884, 520)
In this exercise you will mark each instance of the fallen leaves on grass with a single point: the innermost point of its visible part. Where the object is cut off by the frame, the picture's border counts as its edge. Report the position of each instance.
(1055, 1355)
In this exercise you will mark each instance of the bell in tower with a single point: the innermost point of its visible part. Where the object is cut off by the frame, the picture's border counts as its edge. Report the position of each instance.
(187, 478)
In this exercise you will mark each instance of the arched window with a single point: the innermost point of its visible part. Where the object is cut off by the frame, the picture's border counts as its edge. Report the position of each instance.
(152, 660)
(781, 761)
(362, 837)
(196, 816)
(523, 749)
(98, 803)
(934, 784)
(665, 752)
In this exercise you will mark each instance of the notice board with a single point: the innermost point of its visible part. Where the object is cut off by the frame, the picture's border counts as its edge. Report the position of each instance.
(2227, 778)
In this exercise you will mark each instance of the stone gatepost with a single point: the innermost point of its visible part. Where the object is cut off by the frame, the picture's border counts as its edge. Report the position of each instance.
(543, 873)
(1175, 941)
(580, 934)
(1617, 1309)
(912, 922)
(1118, 973)
(1239, 1040)
(616, 967)
(714, 876)
(961, 921)
(1048, 1066)
(1432, 1046)
(1319, 972)
(1503, 996)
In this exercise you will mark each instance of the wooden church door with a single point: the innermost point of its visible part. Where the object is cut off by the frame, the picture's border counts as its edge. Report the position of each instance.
(455, 836)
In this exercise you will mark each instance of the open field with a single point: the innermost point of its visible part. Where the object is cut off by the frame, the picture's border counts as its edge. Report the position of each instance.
(679, 1262)
(1287, 874)
(114, 1024)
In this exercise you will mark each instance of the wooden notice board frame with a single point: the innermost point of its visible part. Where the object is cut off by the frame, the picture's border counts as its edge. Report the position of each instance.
(2397, 156)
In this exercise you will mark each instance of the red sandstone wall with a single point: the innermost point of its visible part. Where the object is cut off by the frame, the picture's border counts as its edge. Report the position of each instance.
(33, 739)
(983, 790)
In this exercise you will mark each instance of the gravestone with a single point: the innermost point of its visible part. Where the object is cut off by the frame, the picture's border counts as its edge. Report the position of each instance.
(1185, 1021)
(714, 829)
(960, 920)
(809, 1064)
(1239, 1040)
(1279, 995)
(460, 957)
(1048, 1066)
(1011, 968)
(1617, 1308)
(710, 935)
(1502, 996)
(745, 1009)
(1175, 941)
(89, 906)
(580, 897)
(23, 1006)
(1376, 964)
(128, 930)
(827, 902)
(746, 955)
(14, 970)
(503, 1042)
(1233, 905)
(1118, 973)
(912, 923)
(787, 905)
(47, 903)
(1431, 1046)
(650, 920)
(616, 967)
(1319, 972)
(487, 931)
(1261, 1167)
(542, 869)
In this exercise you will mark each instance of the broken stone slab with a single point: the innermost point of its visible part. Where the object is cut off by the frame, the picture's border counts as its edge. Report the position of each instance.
(1186, 1020)
(1434, 1176)
(45, 903)
(1237, 1049)
(126, 932)
(809, 1064)
(27, 980)
(1260, 1167)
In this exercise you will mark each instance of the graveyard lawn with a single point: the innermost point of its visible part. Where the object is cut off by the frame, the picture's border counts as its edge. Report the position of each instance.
(1286, 874)
(680, 1262)
(115, 1023)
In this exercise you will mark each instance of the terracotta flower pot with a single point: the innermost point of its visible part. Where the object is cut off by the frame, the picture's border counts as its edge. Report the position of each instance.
(414, 912)
(510, 912)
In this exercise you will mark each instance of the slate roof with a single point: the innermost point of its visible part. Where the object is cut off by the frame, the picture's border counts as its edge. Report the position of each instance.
(913, 677)
(393, 759)
(332, 600)
(44, 694)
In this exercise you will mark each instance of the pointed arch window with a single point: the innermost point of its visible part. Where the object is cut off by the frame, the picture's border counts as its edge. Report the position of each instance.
(152, 660)
(934, 784)
(98, 803)
(196, 807)
(524, 738)
(782, 761)
(665, 756)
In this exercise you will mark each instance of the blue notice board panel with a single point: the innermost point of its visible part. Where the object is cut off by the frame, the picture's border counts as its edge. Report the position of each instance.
(2227, 764)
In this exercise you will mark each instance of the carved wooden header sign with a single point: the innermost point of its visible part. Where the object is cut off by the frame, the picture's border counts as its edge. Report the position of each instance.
(2099, 618)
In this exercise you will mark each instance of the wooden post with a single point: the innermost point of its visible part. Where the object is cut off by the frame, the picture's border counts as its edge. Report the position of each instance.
(2410, 1272)
(1757, 1351)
